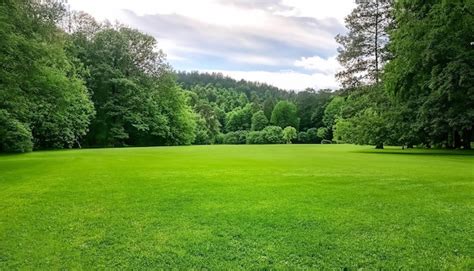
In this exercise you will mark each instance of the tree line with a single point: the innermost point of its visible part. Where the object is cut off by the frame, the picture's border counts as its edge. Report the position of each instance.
(408, 74)
(68, 81)
(239, 112)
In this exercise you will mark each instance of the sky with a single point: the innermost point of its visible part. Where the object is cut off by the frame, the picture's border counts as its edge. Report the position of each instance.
(286, 43)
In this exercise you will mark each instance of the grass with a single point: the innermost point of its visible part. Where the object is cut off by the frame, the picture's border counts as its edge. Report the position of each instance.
(229, 207)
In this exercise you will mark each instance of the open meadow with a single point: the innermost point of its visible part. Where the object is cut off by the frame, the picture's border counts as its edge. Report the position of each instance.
(227, 207)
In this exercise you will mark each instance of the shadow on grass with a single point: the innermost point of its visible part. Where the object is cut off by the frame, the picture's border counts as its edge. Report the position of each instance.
(425, 152)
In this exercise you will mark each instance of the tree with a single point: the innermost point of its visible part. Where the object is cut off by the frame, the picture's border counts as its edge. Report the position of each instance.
(243, 100)
(289, 133)
(365, 118)
(211, 124)
(332, 112)
(41, 85)
(239, 119)
(323, 99)
(268, 106)
(312, 134)
(259, 121)
(432, 72)
(136, 97)
(14, 135)
(285, 114)
(363, 50)
(311, 104)
(202, 133)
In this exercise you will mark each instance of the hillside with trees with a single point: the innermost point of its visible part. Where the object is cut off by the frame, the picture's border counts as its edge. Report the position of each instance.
(237, 112)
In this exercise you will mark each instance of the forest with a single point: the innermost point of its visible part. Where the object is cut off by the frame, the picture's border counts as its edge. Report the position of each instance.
(70, 81)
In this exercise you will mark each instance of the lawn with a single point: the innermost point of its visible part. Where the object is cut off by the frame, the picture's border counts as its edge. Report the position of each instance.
(228, 207)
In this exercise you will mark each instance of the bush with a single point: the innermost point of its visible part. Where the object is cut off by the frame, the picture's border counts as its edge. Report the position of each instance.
(273, 135)
(289, 133)
(322, 132)
(325, 141)
(237, 137)
(255, 137)
(219, 138)
(14, 135)
(303, 137)
(313, 135)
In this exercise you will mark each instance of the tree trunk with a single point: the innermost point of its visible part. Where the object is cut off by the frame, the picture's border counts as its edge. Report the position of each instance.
(377, 43)
(450, 140)
(379, 146)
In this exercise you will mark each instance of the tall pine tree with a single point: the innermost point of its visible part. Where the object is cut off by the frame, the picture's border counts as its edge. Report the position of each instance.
(363, 50)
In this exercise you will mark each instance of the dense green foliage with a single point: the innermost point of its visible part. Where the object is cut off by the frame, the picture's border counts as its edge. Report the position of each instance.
(284, 114)
(106, 82)
(259, 121)
(432, 75)
(135, 96)
(15, 136)
(41, 88)
(289, 133)
(232, 106)
(426, 97)
(237, 137)
(228, 207)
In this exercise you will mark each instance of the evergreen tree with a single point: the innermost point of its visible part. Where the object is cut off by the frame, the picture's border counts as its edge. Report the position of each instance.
(363, 50)
(259, 121)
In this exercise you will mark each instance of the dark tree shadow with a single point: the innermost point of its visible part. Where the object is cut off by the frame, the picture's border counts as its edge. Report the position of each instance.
(424, 152)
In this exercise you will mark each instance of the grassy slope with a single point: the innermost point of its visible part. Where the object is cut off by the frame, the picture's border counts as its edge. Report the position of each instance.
(237, 206)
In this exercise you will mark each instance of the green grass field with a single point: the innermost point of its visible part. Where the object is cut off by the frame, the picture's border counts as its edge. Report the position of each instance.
(228, 207)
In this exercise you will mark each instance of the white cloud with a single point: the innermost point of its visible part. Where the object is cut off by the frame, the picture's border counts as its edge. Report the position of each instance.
(228, 35)
(289, 80)
(316, 63)
(209, 11)
(321, 9)
(222, 12)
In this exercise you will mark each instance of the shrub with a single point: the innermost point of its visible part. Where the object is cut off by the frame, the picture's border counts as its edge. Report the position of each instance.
(322, 132)
(255, 137)
(219, 138)
(273, 135)
(237, 137)
(313, 135)
(302, 137)
(14, 135)
(289, 133)
(325, 141)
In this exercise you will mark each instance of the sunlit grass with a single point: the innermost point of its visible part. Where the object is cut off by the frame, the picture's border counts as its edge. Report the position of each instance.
(221, 207)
